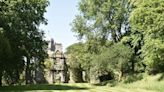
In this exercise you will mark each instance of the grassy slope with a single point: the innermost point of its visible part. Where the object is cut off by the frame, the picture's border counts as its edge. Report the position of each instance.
(149, 84)
(155, 83)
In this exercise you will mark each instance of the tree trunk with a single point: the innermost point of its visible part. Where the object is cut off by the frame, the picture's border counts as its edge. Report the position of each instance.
(0, 78)
(28, 73)
(80, 75)
(120, 76)
(133, 66)
(114, 36)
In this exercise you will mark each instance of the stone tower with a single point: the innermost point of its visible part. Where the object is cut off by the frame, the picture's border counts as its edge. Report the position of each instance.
(59, 69)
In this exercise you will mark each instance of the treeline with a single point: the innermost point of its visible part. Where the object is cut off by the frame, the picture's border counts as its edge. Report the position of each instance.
(22, 47)
(120, 38)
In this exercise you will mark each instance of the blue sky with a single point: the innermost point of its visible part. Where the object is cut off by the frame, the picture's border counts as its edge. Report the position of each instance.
(60, 14)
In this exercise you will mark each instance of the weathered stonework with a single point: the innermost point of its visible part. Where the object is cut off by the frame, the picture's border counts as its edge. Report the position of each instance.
(59, 69)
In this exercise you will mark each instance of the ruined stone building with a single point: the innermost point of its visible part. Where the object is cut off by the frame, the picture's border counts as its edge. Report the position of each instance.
(58, 71)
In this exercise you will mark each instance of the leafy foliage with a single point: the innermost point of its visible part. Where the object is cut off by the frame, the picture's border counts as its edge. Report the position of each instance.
(20, 22)
(102, 19)
(148, 18)
(137, 24)
(115, 58)
(78, 60)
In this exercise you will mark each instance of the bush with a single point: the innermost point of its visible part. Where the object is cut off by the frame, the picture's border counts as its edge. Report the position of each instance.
(133, 78)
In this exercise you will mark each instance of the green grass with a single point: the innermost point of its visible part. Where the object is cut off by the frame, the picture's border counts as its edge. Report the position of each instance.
(154, 83)
(79, 87)
(148, 84)
(41, 87)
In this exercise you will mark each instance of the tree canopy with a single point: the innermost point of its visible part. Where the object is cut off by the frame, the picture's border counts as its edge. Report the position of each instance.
(19, 21)
(124, 34)
(148, 19)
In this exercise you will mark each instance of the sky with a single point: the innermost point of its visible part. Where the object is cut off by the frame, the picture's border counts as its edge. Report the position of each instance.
(60, 13)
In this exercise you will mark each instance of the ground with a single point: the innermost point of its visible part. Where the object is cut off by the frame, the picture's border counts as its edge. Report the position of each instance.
(77, 87)
(149, 83)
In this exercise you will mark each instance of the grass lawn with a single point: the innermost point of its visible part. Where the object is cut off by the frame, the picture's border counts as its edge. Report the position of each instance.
(148, 84)
(78, 87)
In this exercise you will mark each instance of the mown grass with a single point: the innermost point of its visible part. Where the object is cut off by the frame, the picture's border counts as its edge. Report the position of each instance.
(22, 88)
(148, 84)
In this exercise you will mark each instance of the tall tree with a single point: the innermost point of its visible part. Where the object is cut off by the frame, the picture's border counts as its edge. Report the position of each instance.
(20, 21)
(5, 55)
(148, 19)
(102, 19)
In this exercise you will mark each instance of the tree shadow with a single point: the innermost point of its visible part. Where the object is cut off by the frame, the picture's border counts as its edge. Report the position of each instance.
(39, 87)
(161, 77)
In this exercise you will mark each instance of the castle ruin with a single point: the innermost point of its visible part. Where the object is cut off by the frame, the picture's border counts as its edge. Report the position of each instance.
(59, 69)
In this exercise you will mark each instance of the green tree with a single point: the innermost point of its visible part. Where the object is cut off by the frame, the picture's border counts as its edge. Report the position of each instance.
(5, 55)
(115, 58)
(147, 17)
(102, 19)
(98, 23)
(20, 21)
(75, 54)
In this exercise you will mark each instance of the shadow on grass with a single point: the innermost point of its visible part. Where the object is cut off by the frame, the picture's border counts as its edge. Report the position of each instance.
(40, 87)
(161, 77)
